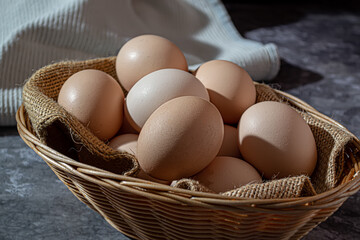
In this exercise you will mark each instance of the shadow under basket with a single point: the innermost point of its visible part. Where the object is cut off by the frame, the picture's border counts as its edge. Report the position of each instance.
(143, 209)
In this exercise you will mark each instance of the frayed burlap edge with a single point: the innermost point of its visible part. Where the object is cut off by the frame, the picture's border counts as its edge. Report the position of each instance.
(281, 188)
(190, 184)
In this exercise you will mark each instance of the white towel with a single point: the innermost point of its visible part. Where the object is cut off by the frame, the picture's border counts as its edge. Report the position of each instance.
(39, 32)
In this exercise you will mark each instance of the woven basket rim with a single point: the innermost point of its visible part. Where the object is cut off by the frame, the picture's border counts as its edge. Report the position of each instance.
(143, 209)
(83, 170)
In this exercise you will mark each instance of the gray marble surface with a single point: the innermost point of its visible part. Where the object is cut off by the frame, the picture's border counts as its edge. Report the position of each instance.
(320, 51)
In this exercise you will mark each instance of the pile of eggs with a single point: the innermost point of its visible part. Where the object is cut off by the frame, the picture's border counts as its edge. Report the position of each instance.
(204, 125)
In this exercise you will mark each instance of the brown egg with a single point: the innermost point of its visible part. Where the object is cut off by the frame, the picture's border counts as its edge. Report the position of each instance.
(145, 176)
(145, 54)
(96, 100)
(180, 138)
(230, 88)
(276, 140)
(230, 144)
(227, 173)
(125, 143)
(128, 143)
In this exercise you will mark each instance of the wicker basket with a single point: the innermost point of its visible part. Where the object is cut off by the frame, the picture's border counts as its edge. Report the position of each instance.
(146, 210)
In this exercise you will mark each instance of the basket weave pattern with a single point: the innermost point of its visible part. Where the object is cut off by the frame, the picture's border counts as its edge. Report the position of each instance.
(147, 210)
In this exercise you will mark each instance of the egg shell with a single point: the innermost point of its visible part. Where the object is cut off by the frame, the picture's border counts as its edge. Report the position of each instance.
(230, 144)
(125, 143)
(145, 54)
(128, 143)
(157, 88)
(96, 100)
(180, 138)
(230, 88)
(276, 140)
(127, 125)
(226, 173)
(143, 175)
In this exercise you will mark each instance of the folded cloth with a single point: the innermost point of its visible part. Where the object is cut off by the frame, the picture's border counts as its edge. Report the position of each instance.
(36, 33)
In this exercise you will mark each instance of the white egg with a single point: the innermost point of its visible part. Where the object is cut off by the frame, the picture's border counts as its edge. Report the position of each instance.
(156, 88)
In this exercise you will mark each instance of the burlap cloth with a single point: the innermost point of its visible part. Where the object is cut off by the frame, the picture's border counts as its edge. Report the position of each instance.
(62, 132)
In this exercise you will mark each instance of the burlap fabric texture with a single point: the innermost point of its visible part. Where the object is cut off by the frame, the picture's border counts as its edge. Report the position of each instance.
(64, 133)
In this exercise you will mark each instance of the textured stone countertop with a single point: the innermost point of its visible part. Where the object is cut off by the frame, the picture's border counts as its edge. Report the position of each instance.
(320, 51)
